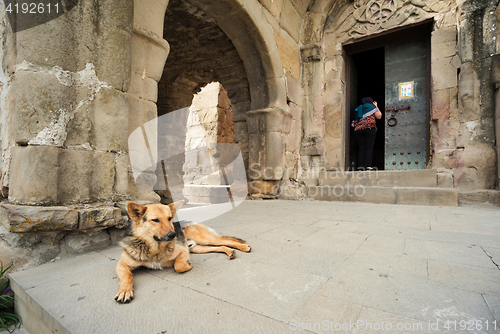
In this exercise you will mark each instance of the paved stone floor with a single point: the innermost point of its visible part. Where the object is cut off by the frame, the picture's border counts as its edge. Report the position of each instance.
(317, 267)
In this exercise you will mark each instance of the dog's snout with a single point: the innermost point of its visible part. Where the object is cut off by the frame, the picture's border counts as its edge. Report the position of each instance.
(171, 235)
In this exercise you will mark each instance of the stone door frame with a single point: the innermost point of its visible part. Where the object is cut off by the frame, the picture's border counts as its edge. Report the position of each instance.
(394, 35)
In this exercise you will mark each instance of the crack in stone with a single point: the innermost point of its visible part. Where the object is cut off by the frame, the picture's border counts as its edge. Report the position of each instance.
(491, 258)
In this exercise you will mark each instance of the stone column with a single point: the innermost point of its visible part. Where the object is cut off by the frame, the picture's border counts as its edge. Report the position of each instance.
(268, 129)
(66, 110)
(149, 53)
(313, 143)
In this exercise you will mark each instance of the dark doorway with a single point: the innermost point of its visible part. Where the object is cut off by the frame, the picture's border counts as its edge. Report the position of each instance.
(367, 79)
(382, 67)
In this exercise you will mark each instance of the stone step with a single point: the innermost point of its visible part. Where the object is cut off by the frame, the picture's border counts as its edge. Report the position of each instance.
(385, 195)
(422, 178)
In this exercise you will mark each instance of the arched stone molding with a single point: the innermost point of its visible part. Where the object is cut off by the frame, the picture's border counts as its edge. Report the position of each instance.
(245, 24)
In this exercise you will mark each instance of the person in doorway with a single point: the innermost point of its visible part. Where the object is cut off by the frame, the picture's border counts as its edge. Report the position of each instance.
(365, 130)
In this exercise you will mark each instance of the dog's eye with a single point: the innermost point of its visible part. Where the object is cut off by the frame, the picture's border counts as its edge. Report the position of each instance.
(170, 219)
(156, 220)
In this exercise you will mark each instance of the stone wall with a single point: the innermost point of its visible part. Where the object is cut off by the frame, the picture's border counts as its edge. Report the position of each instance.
(463, 103)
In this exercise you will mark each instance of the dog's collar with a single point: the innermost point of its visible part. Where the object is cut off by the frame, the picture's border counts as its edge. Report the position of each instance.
(176, 224)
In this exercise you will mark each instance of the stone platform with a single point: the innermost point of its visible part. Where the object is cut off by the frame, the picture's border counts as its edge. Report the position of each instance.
(319, 266)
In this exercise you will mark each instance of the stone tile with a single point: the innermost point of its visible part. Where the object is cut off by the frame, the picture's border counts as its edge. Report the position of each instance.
(340, 226)
(383, 244)
(405, 294)
(493, 302)
(422, 224)
(277, 294)
(246, 231)
(324, 315)
(112, 253)
(201, 271)
(330, 239)
(494, 253)
(448, 252)
(87, 304)
(463, 228)
(53, 271)
(316, 261)
(287, 233)
(375, 321)
(465, 277)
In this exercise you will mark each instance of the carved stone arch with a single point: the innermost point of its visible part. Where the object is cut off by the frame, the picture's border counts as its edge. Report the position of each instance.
(267, 119)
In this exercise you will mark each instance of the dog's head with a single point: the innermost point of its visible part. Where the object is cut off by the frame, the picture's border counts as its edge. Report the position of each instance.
(154, 220)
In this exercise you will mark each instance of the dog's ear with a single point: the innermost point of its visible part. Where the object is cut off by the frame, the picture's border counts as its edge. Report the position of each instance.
(136, 211)
(176, 206)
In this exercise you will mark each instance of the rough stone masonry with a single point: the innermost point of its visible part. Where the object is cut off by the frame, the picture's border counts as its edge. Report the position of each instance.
(73, 88)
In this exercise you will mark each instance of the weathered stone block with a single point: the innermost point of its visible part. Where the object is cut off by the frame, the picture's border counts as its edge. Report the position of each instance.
(495, 69)
(39, 100)
(466, 178)
(38, 44)
(479, 197)
(427, 196)
(115, 36)
(293, 87)
(263, 187)
(293, 138)
(289, 57)
(143, 88)
(141, 112)
(99, 217)
(445, 179)
(290, 20)
(137, 193)
(79, 129)
(82, 243)
(18, 218)
(111, 114)
(121, 176)
(34, 174)
(313, 145)
(440, 104)
(469, 93)
(443, 50)
(444, 35)
(149, 52)
(103, 175)
(480, 157)
(444, 75)
(75, 175)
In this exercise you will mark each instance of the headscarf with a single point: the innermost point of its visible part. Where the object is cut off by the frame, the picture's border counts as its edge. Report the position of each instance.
(366, 109)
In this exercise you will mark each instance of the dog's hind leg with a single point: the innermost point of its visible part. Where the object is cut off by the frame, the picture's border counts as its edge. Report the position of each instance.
(205, 237)
(199, 249)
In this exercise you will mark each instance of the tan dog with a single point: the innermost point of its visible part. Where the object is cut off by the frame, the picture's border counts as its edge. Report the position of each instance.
(156, 244)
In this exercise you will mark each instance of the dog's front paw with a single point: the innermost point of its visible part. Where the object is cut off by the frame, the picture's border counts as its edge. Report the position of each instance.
(231, 255)
(246, 248)
(124, 296)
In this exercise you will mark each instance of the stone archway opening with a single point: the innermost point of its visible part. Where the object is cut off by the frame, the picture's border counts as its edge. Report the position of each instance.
(204, 73)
